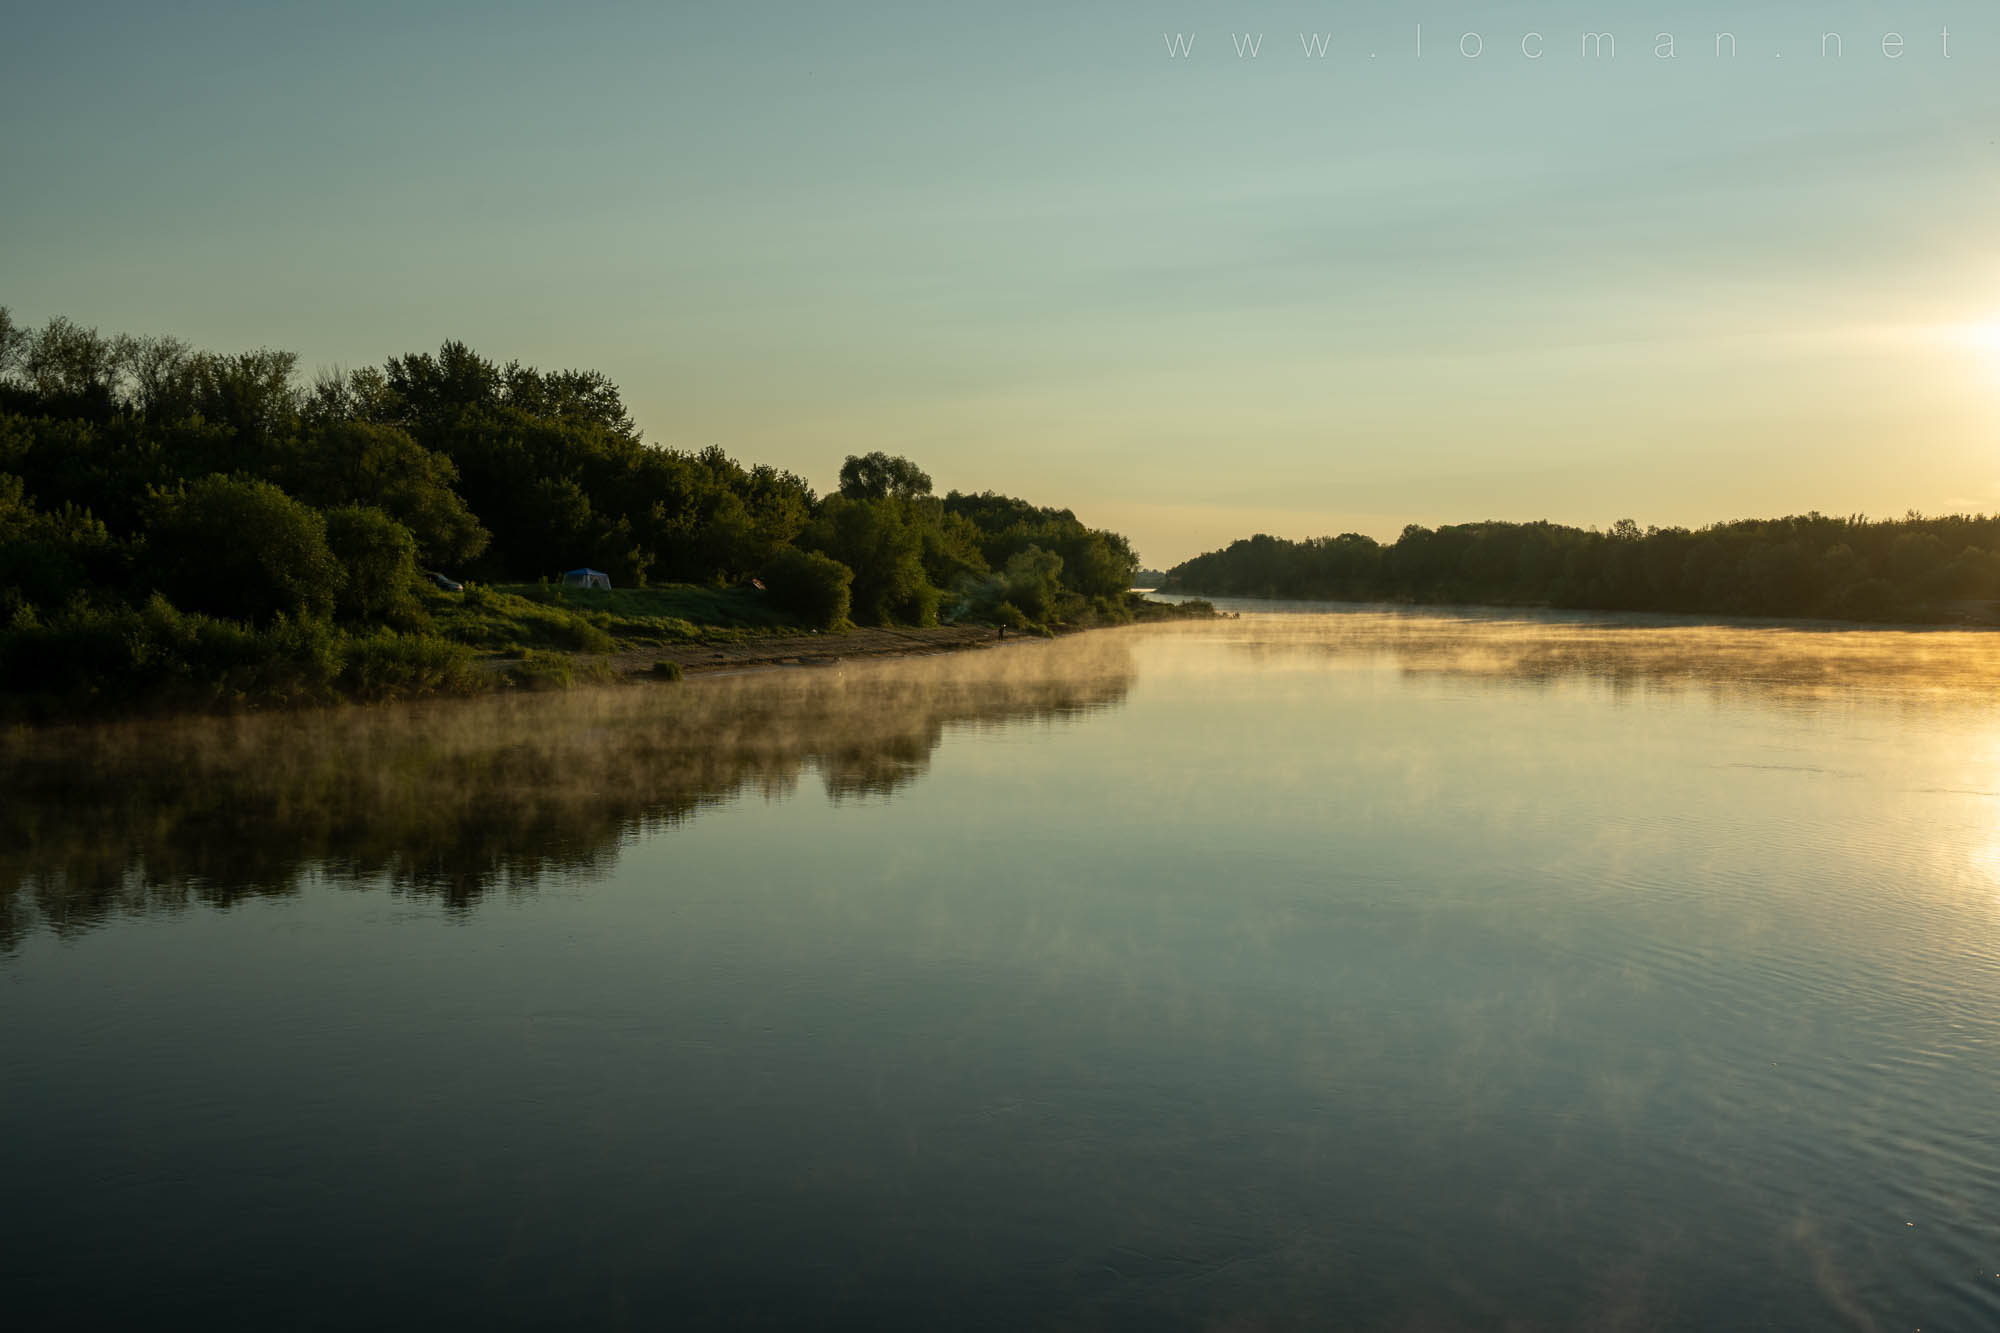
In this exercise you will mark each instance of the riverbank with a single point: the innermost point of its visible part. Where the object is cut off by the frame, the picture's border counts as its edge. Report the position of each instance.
(482, 641)
(815, 649)
(634, 640)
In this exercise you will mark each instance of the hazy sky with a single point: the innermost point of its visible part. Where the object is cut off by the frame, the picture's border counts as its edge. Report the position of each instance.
(1189, 297)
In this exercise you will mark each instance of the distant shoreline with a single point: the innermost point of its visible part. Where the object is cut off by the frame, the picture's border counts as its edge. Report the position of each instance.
(1690, 618)
(1940, 570)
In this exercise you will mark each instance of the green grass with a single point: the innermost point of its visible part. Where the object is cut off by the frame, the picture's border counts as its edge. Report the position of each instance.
(687, 603)
(512, 617)
(494, 620)
(666, 614)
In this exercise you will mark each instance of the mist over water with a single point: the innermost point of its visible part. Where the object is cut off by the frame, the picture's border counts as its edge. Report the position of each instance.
(1366, 969)
(454, 800)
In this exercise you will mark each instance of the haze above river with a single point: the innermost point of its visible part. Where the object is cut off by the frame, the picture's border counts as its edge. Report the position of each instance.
(1331, 969)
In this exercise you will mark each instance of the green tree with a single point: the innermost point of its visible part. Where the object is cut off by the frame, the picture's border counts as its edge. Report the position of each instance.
(74, 370)
(816, 588)
(378, 560)
(249, 392)
(559, 523)
(435, 389)
(46, 559)
(878, 476)
(875, 539)
(13, 341)
(951, 552)
(241, 549)
(567, 395)
(161, 375)
(1033, 579)
(354, 462)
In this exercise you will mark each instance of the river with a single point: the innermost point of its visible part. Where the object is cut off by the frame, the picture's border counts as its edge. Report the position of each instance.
(1347, 968)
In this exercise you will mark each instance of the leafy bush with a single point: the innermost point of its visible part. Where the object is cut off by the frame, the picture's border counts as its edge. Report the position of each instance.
(47, 558)
(242, 550)
(667, 671)
(158, 653)
(1027, 591)
(388, 665)
(544, 671)
(379, 556)
(812, 586)
(580, 635)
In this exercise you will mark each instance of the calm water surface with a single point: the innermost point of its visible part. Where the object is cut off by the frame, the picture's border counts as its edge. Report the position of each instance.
(1353, 970)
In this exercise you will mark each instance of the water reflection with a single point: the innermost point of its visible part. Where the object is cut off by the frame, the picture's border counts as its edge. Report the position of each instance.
(1407, 971)
(456, 800)
(1731, 659)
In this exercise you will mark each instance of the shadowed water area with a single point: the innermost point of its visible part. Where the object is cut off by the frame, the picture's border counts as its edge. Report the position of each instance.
(1353, 969)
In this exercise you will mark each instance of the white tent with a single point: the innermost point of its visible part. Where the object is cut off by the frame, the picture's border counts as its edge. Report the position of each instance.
(587, 578)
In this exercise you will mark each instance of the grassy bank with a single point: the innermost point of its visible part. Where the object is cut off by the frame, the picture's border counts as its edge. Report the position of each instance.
(512, 616)
(156, 659)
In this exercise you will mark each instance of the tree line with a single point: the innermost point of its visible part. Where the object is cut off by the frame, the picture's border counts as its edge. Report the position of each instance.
(1916, 568)
(208, 514)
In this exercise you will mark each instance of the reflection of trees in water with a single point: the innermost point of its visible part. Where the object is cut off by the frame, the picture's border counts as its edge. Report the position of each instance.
(457, 799)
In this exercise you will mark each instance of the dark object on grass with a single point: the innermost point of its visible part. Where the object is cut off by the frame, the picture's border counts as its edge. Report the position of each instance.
(667, 671)
(449, 585)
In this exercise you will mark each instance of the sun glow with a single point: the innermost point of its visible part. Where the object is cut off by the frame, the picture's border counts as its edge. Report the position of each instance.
(1984, 340)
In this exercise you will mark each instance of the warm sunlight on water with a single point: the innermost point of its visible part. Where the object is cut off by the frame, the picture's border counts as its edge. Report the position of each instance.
(1354, 970)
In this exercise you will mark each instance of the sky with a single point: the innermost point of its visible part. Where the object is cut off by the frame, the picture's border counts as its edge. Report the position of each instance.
(1028, 245)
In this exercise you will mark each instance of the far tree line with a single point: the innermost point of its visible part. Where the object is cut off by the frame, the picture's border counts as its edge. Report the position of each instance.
(1916, 568)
